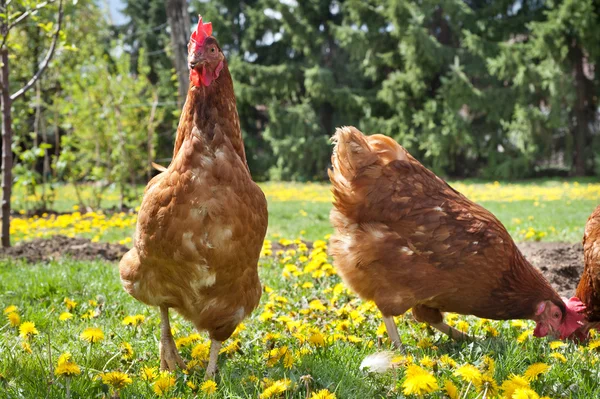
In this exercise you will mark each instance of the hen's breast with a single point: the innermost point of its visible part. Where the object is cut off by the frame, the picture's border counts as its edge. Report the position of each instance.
(200, 231)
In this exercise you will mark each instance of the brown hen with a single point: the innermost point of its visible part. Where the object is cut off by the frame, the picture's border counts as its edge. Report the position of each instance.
(587, 295)
(406, 239)
(202, 221)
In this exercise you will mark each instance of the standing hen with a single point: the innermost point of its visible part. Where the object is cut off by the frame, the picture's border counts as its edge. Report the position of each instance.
(587, 296)
(406, 239)
(203, 220)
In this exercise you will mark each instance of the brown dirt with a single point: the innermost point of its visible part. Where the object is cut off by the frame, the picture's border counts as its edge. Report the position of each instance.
(53, 248)
(561, 263)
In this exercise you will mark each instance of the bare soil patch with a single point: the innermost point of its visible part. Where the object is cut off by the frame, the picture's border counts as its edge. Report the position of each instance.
(43, 250)
(561, 263)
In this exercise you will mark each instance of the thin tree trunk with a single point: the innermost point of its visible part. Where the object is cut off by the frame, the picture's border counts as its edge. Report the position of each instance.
(179, 22)
(150, 142)
(584, 109)
(7, 157)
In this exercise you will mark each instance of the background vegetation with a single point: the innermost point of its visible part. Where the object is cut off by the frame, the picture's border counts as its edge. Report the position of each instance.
(502, 89)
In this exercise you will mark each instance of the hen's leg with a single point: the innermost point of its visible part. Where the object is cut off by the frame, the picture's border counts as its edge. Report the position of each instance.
(436, 320)
(169, 356)
(211, 369)
(451, 331)
(392, 330)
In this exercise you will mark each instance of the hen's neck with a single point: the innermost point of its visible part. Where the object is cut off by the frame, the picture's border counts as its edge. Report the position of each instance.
(521, 290)
(210, 108)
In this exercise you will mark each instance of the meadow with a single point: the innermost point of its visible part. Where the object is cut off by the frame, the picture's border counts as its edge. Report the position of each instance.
(69, 330)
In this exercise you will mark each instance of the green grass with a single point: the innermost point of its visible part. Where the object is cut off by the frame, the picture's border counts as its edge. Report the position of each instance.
(38, 291)
(296, 210)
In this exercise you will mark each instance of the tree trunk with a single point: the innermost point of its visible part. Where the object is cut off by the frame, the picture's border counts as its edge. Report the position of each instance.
(179, 22)
(7, 157)
(150, 139)
(583, 110)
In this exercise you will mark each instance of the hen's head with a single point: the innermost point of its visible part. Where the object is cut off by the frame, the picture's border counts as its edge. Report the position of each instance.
(205, 58)
(558, 320)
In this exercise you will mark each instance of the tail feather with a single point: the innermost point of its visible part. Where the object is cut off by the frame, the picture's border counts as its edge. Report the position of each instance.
(158, 167)
(351, 153)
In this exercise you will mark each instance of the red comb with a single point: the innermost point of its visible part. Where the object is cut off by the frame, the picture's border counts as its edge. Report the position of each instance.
(202, 31)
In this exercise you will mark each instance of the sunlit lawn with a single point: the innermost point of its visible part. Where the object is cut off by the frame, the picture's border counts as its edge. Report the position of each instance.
(308, 335)
(540, 210)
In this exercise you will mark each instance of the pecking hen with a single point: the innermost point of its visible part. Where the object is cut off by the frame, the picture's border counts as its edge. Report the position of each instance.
(406, 239)
(587, 296)
(203, 220)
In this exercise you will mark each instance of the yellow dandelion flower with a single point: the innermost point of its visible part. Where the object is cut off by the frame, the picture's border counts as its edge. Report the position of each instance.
(92, 335)
(27, 330)
(163, 384)
(468, 373)
(524, 336)
(559, 356)
(13, 319)
(201, 351)
(192, 386)
(26, 347)
(66, 366)
(275, 389)
(70, 304)
(232, 347)
(266, 315)
(426, 361)
(418, 381)
(323, 394)
(149, 373)
(308, 285)
(288, 360)
(209, 387)
(490, 331)
(487, 384)
(535, 370)
(11, 309)
(381, 330)
(557, 344)
(316, 338)
(134, 320)
(489, 365)
(451, 389)
(513, 383)
(462, 326)
(525, 393)
(126, 351)
(595, 344)
(447, 361)
(117, 379)
(64, 316)
(317, 305)
(425, 343)
(518, 323)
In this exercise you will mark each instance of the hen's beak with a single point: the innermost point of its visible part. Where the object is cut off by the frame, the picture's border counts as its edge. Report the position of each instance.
(195, 59)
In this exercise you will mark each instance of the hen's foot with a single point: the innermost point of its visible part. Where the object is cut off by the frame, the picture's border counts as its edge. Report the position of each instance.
(169, 355)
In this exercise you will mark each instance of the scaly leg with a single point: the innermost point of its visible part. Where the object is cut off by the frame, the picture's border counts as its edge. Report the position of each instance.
(211, 369)
(451, 331)
(392, 330)
(169, 356)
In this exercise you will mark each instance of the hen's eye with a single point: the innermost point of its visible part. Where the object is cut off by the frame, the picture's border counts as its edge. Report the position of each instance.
(556, 315)
(212, 49)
